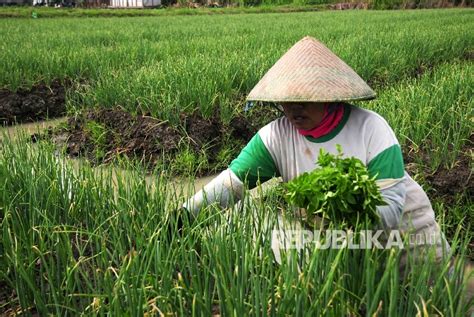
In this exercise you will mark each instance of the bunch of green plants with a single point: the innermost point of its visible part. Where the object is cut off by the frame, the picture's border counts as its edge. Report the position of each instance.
(82, 241)
(340, 190)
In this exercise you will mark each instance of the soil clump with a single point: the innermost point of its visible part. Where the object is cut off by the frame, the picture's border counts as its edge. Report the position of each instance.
(104, 134)
(28, 105)
(446, 183)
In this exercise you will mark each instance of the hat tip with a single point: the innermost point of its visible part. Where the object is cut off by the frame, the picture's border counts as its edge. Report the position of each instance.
(310, 38)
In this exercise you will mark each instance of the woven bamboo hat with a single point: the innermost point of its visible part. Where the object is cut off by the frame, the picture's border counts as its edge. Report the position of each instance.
(310, 72)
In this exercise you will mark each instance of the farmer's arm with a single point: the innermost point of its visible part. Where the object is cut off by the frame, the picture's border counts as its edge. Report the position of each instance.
(391, 213)
(254, 164)
(387, 165)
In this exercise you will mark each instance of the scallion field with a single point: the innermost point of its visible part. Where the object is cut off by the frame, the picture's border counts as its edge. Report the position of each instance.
(152, 103)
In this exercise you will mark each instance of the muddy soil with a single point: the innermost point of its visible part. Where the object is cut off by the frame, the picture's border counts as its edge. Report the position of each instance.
(453, 186)
(116, 132)
(105, 134)
(8, 296)
(38, 103)
(446, 183)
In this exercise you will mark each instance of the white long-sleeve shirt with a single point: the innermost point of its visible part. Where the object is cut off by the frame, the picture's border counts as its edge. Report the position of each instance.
(278, 149)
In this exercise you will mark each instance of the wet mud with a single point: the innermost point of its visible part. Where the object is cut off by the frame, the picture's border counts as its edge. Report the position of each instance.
(105, 134)
(28, 105)
(446, 183)
(115, 132)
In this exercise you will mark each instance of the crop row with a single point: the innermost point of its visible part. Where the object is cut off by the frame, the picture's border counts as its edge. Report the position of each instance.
(431, 116)
(432, 113)
(80, 241)
(169, 64)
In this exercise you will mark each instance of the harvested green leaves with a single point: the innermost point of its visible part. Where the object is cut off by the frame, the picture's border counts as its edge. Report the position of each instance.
(340, 190)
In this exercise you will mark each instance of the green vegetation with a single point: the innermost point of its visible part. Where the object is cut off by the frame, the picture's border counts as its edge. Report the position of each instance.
(90, 241)
(175, 63)
(97, 133)
(432, 113)
(163, 66)
(340, 189)
(205, 7)
(43, 12)
(81, 241)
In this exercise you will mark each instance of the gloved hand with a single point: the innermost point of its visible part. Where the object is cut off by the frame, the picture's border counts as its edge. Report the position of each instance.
(391, 213)
(225, 189)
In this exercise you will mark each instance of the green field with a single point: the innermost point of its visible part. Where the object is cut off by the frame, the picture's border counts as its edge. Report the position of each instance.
(163, 66)
(81, 241)
(85, 242)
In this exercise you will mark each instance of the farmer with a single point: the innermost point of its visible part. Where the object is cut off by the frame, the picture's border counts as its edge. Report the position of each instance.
(312, 86)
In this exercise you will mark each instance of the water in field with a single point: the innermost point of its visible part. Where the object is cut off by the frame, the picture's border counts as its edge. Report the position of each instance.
(182, 186)
(178, 187)
(29, 128)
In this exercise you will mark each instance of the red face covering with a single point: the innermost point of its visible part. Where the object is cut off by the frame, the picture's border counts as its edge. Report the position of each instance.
(333, 114)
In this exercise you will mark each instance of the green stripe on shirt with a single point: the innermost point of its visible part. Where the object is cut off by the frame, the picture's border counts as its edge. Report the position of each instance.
(254, 163)
(387, 164)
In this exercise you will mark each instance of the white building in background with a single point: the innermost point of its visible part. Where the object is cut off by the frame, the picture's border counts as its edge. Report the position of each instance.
(135, 3)
(14, 2)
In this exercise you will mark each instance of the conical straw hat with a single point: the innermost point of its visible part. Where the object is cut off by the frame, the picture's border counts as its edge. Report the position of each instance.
(310, 72)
